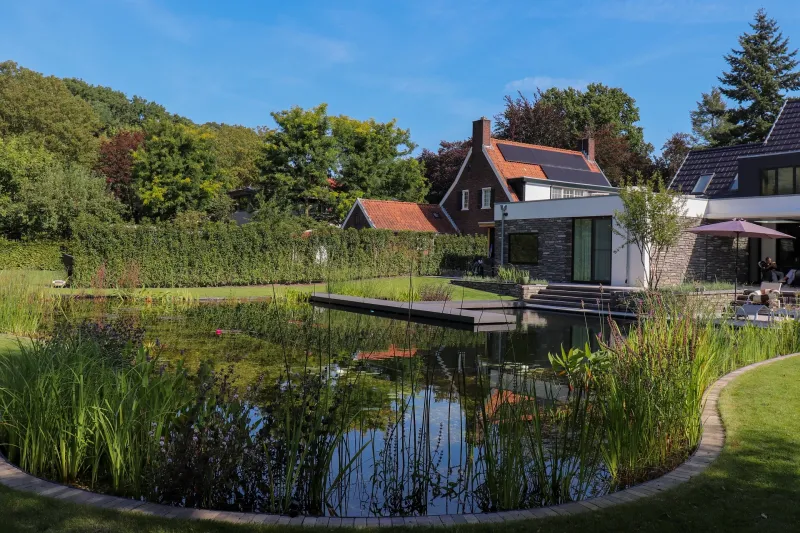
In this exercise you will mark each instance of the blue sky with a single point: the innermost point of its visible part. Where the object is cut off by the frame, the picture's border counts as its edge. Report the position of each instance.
(434, 65)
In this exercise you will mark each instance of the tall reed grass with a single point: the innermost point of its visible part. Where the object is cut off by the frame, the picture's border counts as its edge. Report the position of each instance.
(24, 303)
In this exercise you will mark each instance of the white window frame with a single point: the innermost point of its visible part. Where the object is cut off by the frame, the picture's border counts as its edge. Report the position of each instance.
(486, 199)
(465, 200)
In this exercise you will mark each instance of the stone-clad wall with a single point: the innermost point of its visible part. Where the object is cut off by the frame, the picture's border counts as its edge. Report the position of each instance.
(555, 246)
(705, 258)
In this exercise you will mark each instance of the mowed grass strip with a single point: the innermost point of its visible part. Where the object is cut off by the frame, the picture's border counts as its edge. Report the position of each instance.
(753, 486)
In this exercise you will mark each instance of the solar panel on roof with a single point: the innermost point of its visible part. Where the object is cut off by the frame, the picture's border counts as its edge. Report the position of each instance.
(537, 156)
(573, 175)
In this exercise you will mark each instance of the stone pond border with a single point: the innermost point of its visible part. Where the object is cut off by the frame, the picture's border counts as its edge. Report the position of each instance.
(709, 449)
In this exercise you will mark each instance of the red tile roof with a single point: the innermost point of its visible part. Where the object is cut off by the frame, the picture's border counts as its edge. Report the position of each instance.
(512, 169)
(406, 216)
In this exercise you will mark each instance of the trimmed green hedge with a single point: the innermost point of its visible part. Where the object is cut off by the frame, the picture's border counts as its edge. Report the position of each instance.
(41, 255)
(253, 254)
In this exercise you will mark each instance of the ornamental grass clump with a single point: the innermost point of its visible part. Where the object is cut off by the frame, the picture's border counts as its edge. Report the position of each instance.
(24, 306)
(651, 395)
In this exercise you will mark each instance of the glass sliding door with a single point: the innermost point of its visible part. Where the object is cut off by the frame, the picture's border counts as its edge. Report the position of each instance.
(591, 250)
(582, 249)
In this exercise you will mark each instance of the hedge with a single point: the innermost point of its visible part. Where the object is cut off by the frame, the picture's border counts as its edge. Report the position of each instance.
(223, 254)
(40, 255)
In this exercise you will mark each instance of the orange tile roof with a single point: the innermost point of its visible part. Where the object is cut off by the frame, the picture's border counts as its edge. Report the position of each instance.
(406, 216)
(512, 169)
(391, 353)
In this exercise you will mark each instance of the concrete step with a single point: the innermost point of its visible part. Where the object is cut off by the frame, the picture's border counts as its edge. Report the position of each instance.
(574, 295)
(565, 303)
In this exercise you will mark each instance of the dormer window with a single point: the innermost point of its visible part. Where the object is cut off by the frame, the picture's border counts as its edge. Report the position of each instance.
(702, 184)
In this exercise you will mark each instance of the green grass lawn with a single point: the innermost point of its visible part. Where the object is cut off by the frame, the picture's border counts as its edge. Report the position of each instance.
(385, 287)
(753, 486)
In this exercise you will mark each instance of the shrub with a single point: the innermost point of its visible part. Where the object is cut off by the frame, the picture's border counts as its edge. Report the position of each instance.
(40, 255)
(218, 254)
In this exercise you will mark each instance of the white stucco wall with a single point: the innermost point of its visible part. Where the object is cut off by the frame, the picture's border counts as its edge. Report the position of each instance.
(535, 191)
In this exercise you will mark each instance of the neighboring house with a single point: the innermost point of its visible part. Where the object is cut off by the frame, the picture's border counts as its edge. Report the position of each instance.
(574, 240)
(398, 216)
(504, 171)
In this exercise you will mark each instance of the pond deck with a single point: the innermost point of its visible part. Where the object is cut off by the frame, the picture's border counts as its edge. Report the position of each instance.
(440, 311)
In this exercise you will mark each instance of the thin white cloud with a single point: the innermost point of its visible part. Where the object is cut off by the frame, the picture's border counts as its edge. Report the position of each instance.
(667, 11)
(545, 82)
(324, 49)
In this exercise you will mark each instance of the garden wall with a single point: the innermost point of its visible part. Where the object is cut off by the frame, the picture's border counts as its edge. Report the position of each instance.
(220, 254)
(40, 255)
(502, 288)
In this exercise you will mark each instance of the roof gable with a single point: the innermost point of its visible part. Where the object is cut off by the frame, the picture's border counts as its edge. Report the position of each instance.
(405, 216)
(785, 133)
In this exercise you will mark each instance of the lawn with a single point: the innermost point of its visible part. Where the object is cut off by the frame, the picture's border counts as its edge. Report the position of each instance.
(382, 287)
(753, 486)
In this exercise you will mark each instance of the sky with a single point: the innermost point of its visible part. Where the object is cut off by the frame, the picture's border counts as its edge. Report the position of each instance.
(434, 65)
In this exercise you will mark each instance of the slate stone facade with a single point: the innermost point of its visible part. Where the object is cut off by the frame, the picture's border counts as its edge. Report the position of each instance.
(705, 258)
(555, 247)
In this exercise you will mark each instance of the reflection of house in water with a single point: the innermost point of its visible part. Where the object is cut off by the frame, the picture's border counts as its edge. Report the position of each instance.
(390, 353)
(524, 384)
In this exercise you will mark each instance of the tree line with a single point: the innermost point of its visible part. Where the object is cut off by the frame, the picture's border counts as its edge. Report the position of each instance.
(69, 149)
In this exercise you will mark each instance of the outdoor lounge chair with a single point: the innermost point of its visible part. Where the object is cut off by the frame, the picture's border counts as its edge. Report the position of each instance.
(768, 288)
(749, 311)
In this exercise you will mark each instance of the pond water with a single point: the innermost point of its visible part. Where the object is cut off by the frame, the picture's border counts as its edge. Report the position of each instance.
(405, 418)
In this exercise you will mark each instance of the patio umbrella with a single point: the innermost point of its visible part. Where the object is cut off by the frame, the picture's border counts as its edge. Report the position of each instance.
(738, 228)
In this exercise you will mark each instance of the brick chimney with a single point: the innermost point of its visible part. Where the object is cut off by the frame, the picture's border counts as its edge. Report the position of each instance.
(481, 134)
(586, 145)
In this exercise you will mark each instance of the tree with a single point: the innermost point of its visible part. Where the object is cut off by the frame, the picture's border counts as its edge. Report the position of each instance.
(239, 150)
(674, 151)
(299, 156)
(116, 165)
(653, 218)
(175, 170)
(598, 106)
(760, 74)
(441, 167)
(560, 117)
(374, 160)
(42, 108)
(534, 121)
(115, 109)
(710, 122)
(41, 196)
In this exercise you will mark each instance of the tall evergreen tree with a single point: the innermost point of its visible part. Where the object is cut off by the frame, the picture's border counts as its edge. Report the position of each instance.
(710, 124)
(760, 75)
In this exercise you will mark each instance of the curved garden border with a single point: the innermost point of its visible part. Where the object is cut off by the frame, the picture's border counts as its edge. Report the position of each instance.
(709, 449)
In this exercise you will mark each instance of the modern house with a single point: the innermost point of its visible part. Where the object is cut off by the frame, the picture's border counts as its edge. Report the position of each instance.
(573, 240)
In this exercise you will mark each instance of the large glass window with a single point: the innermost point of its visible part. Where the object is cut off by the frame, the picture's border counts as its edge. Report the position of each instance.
(786, 180)
(780, 181)
(523, 248)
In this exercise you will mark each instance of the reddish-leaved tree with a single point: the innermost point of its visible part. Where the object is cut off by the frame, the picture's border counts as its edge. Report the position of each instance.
(441, 167)
(116, 165)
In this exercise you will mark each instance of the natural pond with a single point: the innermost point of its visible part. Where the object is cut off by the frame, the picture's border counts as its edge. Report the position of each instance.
(394, 417)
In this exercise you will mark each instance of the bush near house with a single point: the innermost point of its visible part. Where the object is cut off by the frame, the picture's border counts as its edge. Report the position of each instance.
(217, 254)
(39, 255)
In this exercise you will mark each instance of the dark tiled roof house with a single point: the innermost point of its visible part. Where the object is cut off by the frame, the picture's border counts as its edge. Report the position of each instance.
(747, 169)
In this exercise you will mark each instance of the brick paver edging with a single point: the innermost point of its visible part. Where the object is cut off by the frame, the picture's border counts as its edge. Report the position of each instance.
(710, 447)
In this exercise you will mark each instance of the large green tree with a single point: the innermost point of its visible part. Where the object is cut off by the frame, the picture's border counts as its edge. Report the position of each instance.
(45, 111)
(599, 106)
(239, 150)
(175, 170)
(710, 123)
(42, 196)
(115, 109)
(299, 157)
(374, 159)
(760, 74)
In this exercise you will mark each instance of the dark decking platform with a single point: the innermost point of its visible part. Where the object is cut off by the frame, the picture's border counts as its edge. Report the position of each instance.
(440, 311)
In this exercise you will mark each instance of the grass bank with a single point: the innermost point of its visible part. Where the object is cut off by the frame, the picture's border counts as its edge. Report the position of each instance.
(753, 486)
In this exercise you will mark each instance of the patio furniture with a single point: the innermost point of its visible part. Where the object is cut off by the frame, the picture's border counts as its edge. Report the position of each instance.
(59, 283)
(769, 289)
(738, 228)
(749, 311)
